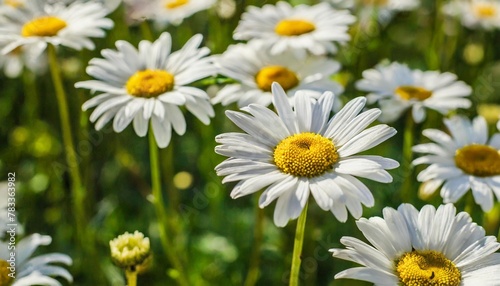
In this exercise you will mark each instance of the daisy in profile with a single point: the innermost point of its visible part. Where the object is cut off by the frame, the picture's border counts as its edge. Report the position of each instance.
(38, 23)
(164, 12)
(397, 88)
(474, 14)
(464, 161)
(301, 151)
(385, 9)
(255, 69)
(426, 247)
(38, 270)
(301, 28)
(148, 86)
(15, 61)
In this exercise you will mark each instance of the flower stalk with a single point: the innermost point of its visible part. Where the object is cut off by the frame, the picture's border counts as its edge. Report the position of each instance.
(297, 247)
(161, 212)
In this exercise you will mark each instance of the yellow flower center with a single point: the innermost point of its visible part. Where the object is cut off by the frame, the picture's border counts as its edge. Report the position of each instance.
(408, 92)
(305, 155)
(484, 10)
(150, 83)
(176, 3)
(5, 279)
(267, 75)
(45, 26)
(478, 160)
(427, 268)
(294, 27)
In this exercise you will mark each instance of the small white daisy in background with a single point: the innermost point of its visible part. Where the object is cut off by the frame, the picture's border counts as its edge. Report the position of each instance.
(110, 5)
(166, 12)
(475, 14)
(430, 247)
(385, 9)
(301, 151)
(149, 85)
(460, 162)
(15, 61)
(341, 4)
(38, 23)
(397, 88)
(302, 28)
(255, 69)
(38, 270)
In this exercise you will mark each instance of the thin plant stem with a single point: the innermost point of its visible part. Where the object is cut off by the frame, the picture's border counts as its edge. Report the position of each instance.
(146, 31)
(258, 235)
(131, 276)
(161, 213)
(30, 111)
(77, 189)
(407, 193)
(297, 248)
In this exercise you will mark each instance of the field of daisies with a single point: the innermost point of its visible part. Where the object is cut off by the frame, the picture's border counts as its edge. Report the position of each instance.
(247, 142)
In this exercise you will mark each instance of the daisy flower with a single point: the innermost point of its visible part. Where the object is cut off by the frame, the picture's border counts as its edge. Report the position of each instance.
(301, 151)
(38, 23)
(465, 160)
(14, 62)
(475, 14)
(149, 84)
(302, 28)
(29, 270)
(426, 247)
(255, 69)
(166, 11)
(397, 88)
(385, 9)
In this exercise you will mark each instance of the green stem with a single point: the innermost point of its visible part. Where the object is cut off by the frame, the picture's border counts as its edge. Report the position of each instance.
(253, 269)
(30, 110)
(407, 192)
(297, 248)
(158, 202)
(78, 192)
(131, 277)
(146, 31)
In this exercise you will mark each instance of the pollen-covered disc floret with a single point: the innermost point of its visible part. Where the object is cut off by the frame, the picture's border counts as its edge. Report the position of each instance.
(397, 89)
(305, 155)
(301, 151)
(45, 26)
(38, 23)
(408, 92)
(5, 279)
(294, 27)
(304, 29)
(430, 247)
(269, 74)
(466, 160)
(150, 83)
(478, 160)
(427, 268)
